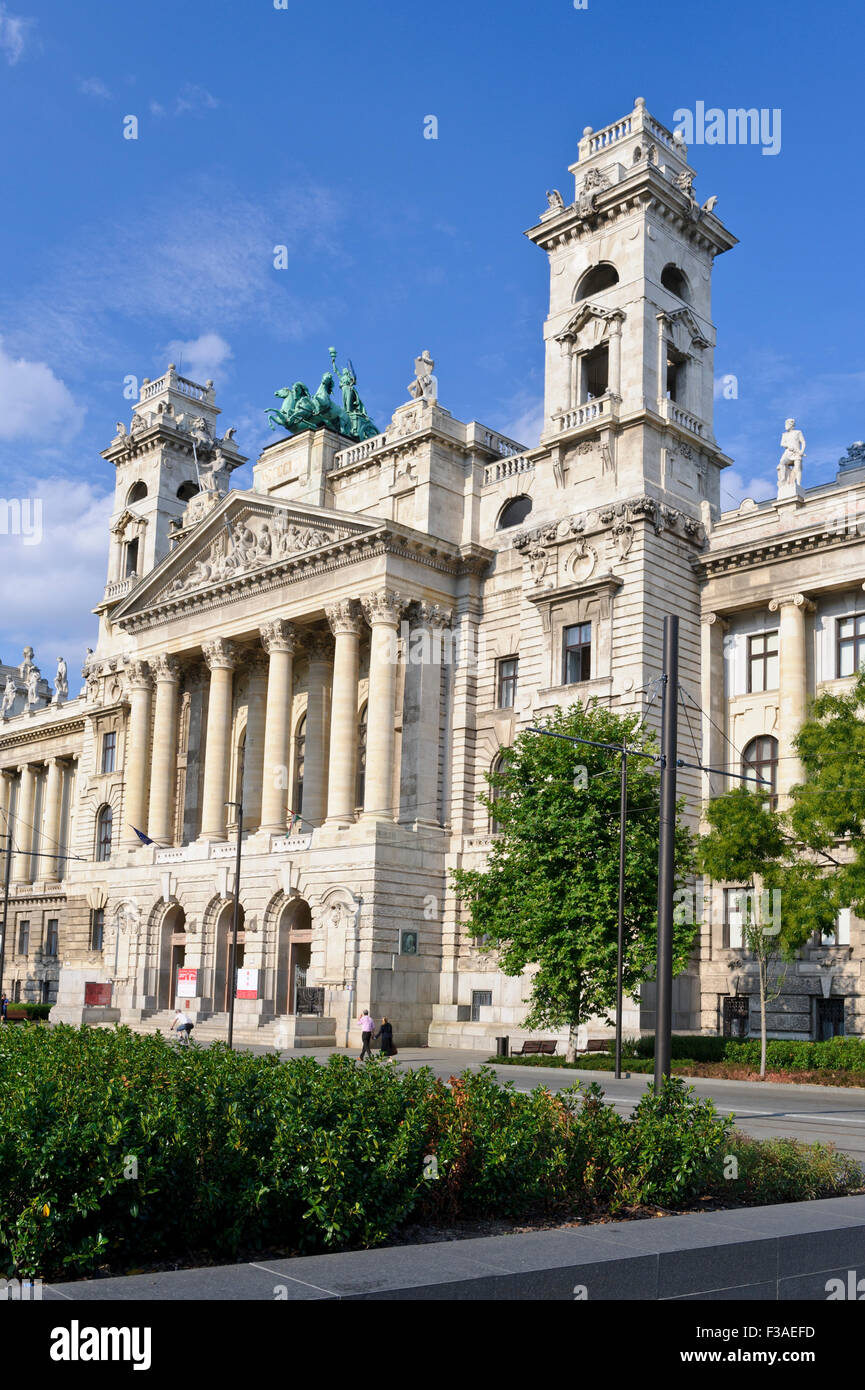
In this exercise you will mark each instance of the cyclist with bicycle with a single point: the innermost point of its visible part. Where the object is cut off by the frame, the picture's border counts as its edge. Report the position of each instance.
(184, 1025)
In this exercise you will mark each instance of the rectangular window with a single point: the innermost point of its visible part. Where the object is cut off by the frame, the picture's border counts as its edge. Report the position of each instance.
(851, 644)
(23, 938)
(841, 935)
(51, 936)
(595, 374)
(481, 998)
(736, 1016)
(109, 751)
(735, 907)
(506, 682)
(97, 928)
(830, 1019)
(675, 381)
(577, 654)
(763, 662)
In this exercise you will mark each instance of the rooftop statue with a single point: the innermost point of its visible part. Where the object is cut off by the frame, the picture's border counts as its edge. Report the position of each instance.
(790, 465)
(301, 411)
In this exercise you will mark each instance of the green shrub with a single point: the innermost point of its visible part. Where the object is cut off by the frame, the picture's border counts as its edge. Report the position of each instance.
(118, 1150)
(695, 1048)
(798, 1054)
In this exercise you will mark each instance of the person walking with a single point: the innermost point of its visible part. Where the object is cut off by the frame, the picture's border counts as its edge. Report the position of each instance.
(385, 1032)
(5, 1007)
(184, 1025)
(367, 1028)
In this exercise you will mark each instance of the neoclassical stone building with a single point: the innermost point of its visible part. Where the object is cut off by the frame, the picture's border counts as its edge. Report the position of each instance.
(345, 649)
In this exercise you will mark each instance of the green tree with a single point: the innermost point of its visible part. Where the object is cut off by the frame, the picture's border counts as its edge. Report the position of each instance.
(787, 895)
(829, 807)
(548, 896)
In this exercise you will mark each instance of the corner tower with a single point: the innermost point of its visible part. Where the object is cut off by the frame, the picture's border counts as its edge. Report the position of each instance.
(629, 338)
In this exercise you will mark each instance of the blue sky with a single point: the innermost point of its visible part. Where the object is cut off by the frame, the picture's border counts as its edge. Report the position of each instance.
(304, 127)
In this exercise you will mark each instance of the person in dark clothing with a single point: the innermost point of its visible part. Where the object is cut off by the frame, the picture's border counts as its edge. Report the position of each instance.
(385, 1032)
(4, 1007)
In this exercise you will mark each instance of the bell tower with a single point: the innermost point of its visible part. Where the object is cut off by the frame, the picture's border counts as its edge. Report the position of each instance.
(629, 338)
(169, 467)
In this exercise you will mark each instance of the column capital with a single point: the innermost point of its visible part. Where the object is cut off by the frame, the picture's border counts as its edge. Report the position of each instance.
(319, 647)
(344, 617)
(800, 601)
(710, 619)
(165, 667)
(219, 654)
(432, 615)
(278, 636)
(383, 606)
(138, 675)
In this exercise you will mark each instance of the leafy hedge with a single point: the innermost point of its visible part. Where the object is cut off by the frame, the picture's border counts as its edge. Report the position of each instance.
(30, 1011)
(694, 1048)
(836, 1054)
(118, 1150)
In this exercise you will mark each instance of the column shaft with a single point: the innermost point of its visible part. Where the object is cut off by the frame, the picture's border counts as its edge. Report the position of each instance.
(342, 781)
(137, 755)
(160, 821)
(793, 684)
(383, 613)
(22, 830)
(713, 701)
(220, 660)
(253, 757)
(52, 867)
(317, 729)
(278, 639)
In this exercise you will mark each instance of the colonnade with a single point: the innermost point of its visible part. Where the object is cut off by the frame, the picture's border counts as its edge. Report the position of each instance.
(27, 837)
(331, 751)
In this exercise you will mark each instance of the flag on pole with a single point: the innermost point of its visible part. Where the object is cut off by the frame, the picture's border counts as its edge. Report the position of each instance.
(145, 839)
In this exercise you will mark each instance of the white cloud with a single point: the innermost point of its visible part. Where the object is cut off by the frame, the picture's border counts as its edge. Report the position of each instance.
(13, 35)
(47, 590)
(157, 109)
(735, 487)
(195, 100)
(34, 403)
(202, 358)
(526, 425)
(93, 87)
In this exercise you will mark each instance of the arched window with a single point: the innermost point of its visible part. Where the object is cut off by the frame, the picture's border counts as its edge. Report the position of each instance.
(361, 756)
(596, 280)
(760, 759)
(104, 824)
(674, 280)
(130, 559)
(137, 493)
(514, 512)
(187, 491)
(496, 793)
(299, 759)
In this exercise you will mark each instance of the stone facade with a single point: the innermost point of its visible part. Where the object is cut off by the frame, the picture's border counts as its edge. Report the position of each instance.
(344, 649)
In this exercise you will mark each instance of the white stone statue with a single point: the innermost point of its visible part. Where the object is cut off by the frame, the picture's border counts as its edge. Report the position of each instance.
(33, 686)
(26, 664)
(425, 385)
(790, 465)
(10, 690)
(61, 682)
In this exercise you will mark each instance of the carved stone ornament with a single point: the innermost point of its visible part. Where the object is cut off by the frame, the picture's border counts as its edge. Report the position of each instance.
(219, 655)
(383, 607)
(538, 560)
(165, 667)
(279, 636)
(344, 617)
(593, 184)
(582, 563)
(250, 544)
(623, 538)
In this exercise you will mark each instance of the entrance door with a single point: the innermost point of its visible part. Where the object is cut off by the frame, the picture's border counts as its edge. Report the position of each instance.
(830, 1018)
(233, 967)
(298, 966)
(736, 1013)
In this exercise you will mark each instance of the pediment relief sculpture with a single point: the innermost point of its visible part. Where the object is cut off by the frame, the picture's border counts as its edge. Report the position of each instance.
(249, 544)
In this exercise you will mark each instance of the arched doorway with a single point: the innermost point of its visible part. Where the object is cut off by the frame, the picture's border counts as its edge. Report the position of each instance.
(172, 955)
(226, 970)
(294, 943)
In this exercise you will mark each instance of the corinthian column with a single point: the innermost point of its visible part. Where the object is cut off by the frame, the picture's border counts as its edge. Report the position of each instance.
(419, 766)
(22, 830)
(279, 640)
(253, 754)
(5, 802)
(219, 656)
(160, 822)
(713, 701)
(137, 754)
(345, 623)
(793, 682)
(50, 868)
(317, 727)
(383, 611)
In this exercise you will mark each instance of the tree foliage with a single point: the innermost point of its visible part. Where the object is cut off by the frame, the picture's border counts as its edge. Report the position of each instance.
(548, 895)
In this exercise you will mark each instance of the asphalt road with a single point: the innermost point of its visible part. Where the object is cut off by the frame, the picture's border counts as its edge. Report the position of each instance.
(814, 1114)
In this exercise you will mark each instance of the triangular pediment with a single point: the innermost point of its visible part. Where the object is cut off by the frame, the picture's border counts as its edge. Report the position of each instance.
(686, 330)
(590, 322)
(245, 534)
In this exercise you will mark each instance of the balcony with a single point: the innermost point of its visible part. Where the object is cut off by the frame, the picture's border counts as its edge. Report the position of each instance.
(507, 468)
(602, 411)
(675, 415)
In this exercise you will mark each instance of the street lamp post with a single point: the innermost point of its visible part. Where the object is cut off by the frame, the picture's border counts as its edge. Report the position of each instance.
(6, 875)
(232, 971)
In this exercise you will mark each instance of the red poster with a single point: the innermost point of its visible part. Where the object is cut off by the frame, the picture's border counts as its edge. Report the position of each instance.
(96, 995)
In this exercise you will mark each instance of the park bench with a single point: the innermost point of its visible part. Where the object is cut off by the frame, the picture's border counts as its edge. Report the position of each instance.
(546, 1049)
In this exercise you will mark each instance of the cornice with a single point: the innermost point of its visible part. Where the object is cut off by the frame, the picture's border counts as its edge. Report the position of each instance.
(770, 550)
(65, 728)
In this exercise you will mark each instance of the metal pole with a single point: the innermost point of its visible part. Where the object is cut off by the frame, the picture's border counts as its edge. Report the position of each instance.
(6, 875)
(620, 955)
(232, 968)
(667, 852)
